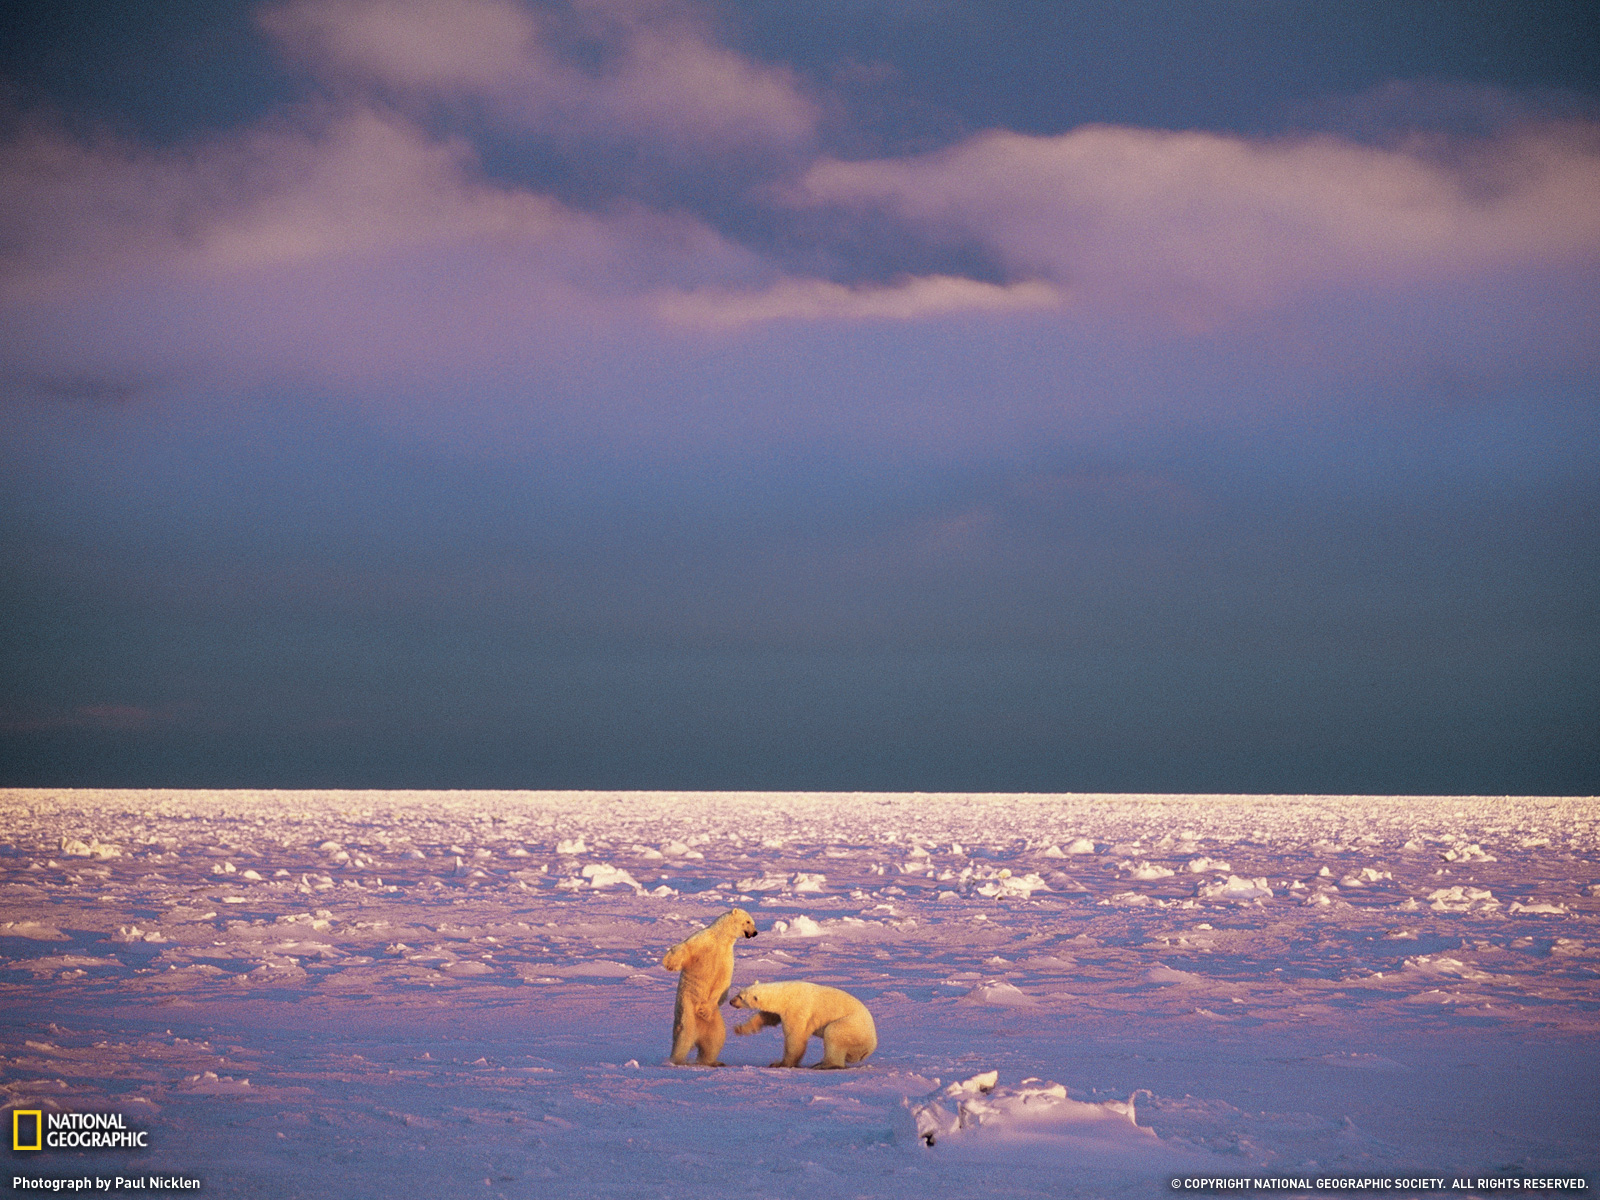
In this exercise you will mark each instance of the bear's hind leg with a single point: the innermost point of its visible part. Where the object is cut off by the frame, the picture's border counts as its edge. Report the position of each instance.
(684, 1036)
(833, 1049)
(713, 1032)
(843, 1044)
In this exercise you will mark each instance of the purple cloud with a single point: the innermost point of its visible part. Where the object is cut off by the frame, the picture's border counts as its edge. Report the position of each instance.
(1196, 227)
(618, 70)
(343, 242)
(357, 242)
(907, 299)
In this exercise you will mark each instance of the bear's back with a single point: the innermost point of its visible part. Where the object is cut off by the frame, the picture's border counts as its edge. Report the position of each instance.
(801, 996)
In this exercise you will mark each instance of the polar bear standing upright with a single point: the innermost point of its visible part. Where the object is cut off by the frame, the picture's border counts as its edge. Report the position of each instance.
(705, 960)
(807, 1010)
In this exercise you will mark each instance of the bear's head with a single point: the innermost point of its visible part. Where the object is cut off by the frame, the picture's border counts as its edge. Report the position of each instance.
(738, 922)
(748, 998)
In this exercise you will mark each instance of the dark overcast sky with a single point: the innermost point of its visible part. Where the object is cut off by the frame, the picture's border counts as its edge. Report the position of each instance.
(853, 394)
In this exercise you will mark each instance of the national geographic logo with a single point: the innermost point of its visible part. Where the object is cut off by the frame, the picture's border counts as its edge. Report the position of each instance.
(35, 1129)
(27, 1129)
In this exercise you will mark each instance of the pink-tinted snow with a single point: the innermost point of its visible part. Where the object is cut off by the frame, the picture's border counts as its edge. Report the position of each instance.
(364, 993)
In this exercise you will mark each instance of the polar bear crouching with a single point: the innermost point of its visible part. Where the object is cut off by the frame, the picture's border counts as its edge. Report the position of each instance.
(705, 960)
(807, 1010)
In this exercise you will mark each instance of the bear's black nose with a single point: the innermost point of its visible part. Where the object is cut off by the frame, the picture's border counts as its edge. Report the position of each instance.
(751, 933)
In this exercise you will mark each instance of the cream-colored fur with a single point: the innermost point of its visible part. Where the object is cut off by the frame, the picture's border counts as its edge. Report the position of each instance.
(807, 1010)
(705, 961)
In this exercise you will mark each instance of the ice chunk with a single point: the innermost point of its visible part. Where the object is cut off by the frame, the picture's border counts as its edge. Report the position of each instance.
(1235, 887)
(604, 875)
(1163, 974)
(1364, 877)
(762, 883)
(801, 926)
(209, 1083)
(997, 991)
(984, 1081)
(1463, 899)
(93, 848)
(1361, 1061)
(1147, 870)
(1036, 1109)
(1542, 906)
(1012, 887)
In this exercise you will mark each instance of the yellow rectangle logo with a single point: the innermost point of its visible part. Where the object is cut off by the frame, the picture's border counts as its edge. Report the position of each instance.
(27, 1129)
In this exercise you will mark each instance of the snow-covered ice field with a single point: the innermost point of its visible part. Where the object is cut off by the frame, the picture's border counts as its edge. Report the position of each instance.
(459, 994)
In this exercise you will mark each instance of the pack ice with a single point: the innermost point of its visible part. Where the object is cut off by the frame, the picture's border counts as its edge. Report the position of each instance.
(342, 993)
